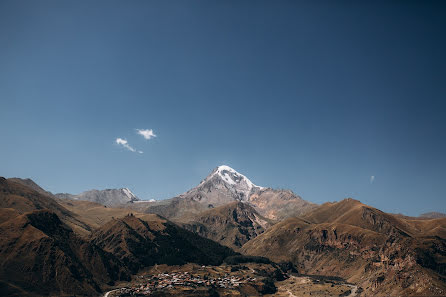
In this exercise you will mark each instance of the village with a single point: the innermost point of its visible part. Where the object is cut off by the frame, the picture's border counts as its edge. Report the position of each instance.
(148, 284)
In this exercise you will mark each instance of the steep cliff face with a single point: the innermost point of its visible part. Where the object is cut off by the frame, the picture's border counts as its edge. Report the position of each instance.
(232, 225)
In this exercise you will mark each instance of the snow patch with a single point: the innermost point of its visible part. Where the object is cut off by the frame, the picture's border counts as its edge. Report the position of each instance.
(144, 201)
(223, 170)
(129, 194)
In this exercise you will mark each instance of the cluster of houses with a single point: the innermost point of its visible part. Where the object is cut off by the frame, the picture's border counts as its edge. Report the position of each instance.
(184, 279)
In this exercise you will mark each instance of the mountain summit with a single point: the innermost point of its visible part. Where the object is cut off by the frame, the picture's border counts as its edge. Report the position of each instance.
(228, 182)
(225, 185)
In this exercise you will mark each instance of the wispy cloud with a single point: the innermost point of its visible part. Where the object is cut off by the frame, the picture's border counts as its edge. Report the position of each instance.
(146, 133)
(372, 179)
(125, 144)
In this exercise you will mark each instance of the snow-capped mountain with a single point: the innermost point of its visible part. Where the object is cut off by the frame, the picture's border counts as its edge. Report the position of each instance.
(108, 197)
(225, 185)
(229, 183)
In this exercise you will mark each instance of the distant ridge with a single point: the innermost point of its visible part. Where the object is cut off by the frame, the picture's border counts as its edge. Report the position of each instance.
(107, 197)
(433, 215)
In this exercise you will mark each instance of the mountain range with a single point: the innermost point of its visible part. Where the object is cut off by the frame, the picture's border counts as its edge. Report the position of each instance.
(383, 254)
(45, 249)
(64, 244)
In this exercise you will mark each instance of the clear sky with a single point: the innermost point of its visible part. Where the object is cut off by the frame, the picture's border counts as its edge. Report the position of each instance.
(330, 99)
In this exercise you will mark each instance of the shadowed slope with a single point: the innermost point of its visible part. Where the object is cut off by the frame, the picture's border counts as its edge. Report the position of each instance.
(42, 256)
(232, 225)
(140, 243)
(20, 197)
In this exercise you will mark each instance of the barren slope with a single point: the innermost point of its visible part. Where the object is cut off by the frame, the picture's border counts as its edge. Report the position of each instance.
(364, 245)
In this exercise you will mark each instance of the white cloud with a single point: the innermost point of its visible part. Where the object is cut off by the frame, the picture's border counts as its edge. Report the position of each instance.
(125, 144)
(372, 179)
(146, 133)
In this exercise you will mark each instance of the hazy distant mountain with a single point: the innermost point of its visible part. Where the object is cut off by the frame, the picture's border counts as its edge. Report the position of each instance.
(382, 253)
(433, 215)
(225, 185)
(108, 197)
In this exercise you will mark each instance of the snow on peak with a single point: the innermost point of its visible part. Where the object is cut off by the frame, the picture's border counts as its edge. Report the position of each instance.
(231, 176)
(234, 178)
(129, 194)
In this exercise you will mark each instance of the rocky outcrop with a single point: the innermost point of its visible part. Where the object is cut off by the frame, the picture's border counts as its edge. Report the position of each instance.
(232, 225)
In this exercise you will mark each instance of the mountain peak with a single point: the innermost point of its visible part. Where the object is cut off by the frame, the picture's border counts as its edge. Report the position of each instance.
(235, 181)
(232, 177)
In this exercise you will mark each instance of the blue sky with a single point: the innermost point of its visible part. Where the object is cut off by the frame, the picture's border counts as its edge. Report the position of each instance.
(313, 96)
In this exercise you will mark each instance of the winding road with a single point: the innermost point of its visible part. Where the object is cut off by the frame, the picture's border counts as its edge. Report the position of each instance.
(106, 294)
(354, 289)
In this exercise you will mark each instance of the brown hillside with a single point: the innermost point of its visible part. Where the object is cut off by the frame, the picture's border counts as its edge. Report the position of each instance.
(364, 245)
(352, 212)
(428, 227)
(30, 184)
(279, 204)
(22, 198)
(139, 243)
(40, 255)
(96, 215)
